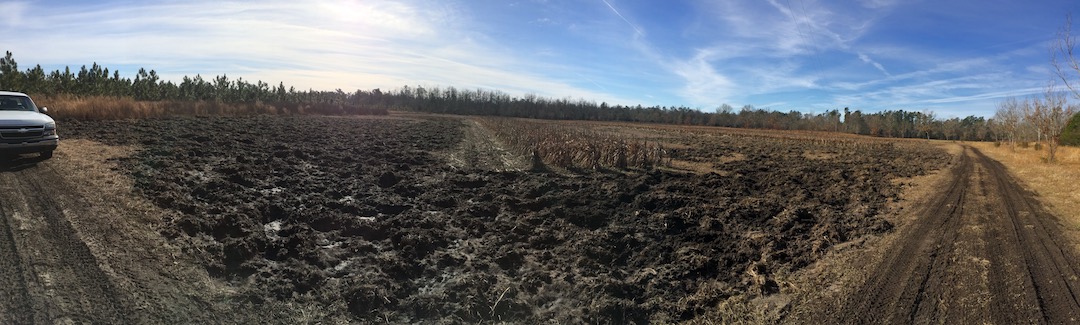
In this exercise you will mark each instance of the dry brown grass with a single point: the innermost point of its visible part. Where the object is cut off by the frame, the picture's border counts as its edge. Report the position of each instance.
(568, 145)
(667, 133)
(1058, 183)
(112, 108)
(104, 108)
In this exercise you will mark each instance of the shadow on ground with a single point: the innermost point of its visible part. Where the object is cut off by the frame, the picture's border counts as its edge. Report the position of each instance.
(14, 163)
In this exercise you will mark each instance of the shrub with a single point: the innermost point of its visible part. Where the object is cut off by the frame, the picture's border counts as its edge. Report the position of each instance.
(1071, 135)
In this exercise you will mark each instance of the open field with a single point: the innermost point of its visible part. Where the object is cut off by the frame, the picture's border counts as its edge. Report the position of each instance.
(366, 217)
(439, 219)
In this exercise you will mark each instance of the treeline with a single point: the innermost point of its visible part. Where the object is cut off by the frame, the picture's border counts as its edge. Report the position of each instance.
(98, 81)
(889, 123)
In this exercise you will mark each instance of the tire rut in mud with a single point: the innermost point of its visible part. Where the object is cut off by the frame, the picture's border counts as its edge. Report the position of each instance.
(15, 306)
(59, 279)
(1023, 269)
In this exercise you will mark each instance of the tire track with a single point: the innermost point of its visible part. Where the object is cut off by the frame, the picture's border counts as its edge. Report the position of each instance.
(983, 251)
(1051, 265)
(61, 280)
(15, 305)
(898, 289)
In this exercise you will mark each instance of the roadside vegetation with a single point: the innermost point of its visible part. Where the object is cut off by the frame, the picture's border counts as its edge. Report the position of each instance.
(1035, 119)
(111, 108)
(1070, 136)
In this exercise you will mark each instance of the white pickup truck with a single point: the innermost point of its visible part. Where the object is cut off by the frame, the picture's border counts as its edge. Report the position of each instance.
(24, 128)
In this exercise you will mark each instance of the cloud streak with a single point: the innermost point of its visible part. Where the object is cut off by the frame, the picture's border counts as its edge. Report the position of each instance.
(637, 31)
(877, 65)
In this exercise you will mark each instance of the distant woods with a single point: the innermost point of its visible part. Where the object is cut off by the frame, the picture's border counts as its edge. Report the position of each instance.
(98, 81)
(889, 123)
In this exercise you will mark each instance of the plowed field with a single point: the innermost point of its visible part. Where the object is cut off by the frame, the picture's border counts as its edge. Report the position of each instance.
(378, 220)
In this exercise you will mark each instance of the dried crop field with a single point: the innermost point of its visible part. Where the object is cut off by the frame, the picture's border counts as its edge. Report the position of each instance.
(574, 146)
(366, 218)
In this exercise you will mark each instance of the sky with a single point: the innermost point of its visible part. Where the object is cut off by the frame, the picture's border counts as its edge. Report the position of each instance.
(954, 58)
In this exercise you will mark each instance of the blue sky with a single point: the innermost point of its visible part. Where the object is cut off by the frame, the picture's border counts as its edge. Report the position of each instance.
(955, 58)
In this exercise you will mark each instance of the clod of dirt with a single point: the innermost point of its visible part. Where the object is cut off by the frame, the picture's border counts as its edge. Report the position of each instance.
(388, 179)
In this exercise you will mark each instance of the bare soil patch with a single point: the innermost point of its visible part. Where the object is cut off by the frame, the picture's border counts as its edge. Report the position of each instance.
(479, 148)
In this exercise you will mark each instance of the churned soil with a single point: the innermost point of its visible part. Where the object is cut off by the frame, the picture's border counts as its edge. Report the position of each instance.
(368, 218)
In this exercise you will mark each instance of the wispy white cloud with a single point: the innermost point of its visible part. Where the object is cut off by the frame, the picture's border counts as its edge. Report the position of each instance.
(870, 61)
(935, 92)
(763, 47)
(703, 84)
(14, 12)
(637, 30)
(322, 45)
(878, 4)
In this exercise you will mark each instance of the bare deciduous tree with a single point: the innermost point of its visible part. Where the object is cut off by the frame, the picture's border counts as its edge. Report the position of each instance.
(1063, 57)
(1008, 116)
(1049, 115)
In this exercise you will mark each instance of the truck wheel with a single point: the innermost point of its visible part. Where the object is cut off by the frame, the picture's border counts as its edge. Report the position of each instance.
(46, 154)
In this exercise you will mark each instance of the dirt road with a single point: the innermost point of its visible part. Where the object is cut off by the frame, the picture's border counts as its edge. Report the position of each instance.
(47, 273)
(78, 247)
(981, 251)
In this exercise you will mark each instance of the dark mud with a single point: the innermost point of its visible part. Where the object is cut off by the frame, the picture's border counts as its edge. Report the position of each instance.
(365, 217)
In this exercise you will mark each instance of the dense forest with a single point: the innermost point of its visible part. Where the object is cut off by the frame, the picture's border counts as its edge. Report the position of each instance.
(148, 86)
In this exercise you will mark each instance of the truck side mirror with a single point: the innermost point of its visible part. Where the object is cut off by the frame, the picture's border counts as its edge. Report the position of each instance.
(44, 109)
